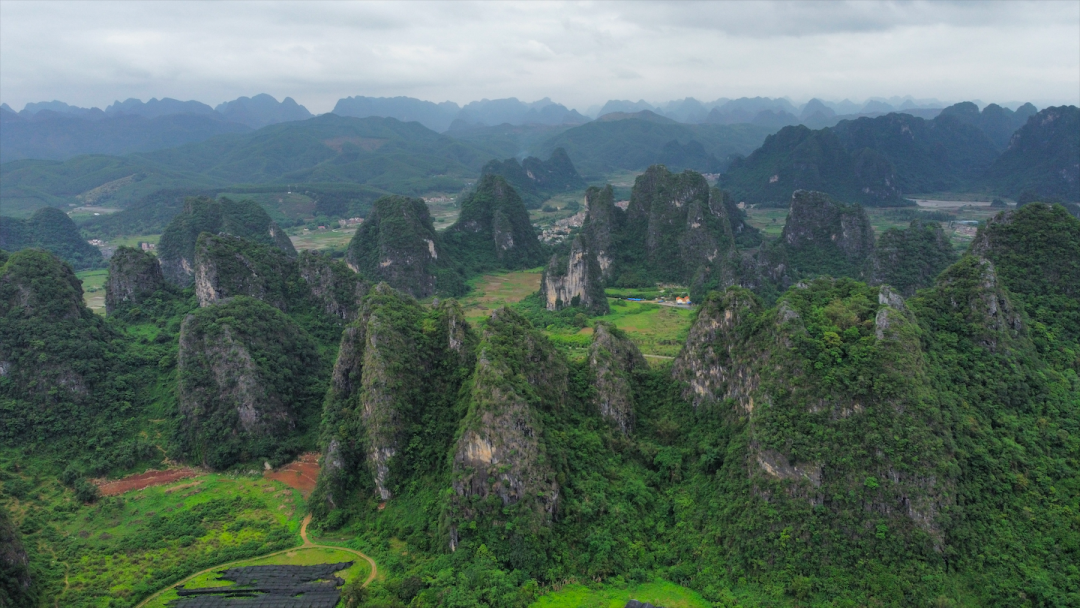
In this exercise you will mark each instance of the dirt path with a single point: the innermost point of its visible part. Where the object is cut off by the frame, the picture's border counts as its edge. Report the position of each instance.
(307, 545)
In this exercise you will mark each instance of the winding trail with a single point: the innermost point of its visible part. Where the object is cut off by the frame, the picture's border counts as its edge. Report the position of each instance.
(307, 545)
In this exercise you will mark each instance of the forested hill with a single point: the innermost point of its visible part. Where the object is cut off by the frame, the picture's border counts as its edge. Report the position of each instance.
(634, 143)
(927, 454)
(879, 161)
(379, 153)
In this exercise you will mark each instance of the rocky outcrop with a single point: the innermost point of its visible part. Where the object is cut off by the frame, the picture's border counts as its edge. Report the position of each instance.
(602, 221)
(333, 284)
(134, 275)
(227, 266)
(976, 295)
(248, 379)
(709, 363)
(397, 244)
(613, 359)
(803, 440)
(911, 259)
(500, 451)
(399, 363)
(245, 219)
(15, 581)
(574, 280)
(493, 229)
(42, 286)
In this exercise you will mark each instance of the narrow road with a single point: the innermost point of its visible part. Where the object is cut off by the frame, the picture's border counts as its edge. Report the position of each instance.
(307, 545)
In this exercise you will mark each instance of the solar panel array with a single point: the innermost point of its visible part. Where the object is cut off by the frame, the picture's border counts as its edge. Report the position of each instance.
(269, 587)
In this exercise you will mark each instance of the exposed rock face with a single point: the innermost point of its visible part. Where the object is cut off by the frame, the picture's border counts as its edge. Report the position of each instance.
(399, 363)
(683, 225)
(574, 280)
(334, 284)
(493, 229)
(602, 219)
(708, 364)
(227, 266)
(244, 219)
(500, 447)
(739, 361)
(248, 379)
(397, 244)
(15, 581)
(133, 276)
(613, 359)
(910, 259)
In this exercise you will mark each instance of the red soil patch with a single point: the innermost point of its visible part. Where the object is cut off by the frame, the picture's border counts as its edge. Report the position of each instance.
(142, 480)
(301, 474)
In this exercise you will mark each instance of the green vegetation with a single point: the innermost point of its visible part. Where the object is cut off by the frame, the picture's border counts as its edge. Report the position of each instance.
(93, 283)
(118, 550)
(1043, 159)
(52, 230)
(658, 593)
(912, 258)
(632, 144)
(492, 230)
(537, 180)
(243, 219)
(872, 161)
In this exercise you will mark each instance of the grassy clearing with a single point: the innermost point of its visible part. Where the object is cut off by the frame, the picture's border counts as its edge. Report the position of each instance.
(658, 593)
(329, 239)
(657, 330)
(298, 557)
(121, 549)
(93, 282)
(492, 291)
(443, 208)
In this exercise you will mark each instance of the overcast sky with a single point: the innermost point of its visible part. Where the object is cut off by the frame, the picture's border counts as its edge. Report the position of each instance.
(579, 54)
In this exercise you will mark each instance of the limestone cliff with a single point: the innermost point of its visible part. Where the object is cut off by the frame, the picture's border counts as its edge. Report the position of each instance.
(397, 244)
(574, 280)
(133, 276)
(500, 452)
(676, 230)
(493, 230)
(602, 222)
(246, 219)
(821, 237)
(807, 441)
(613, 359)
(397, 372)
(333, 284)
(227, 266)
(249, 379)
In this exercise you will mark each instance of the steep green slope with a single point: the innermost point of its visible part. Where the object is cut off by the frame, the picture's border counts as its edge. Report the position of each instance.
(134, 277)
(1043, 158)
(397, 244)
(998, 123)
(911, 258)
(243, 218)
(493, 230)
(52, 230)
(250, 385)
(16, 585)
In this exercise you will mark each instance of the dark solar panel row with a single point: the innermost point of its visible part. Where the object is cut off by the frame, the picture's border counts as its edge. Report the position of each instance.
(269, 587)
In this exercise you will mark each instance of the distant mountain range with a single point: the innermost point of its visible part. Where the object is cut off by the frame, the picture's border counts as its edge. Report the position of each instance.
(879, 161)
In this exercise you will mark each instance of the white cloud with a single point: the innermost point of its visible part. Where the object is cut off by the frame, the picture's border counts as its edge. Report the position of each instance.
(576, 53)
